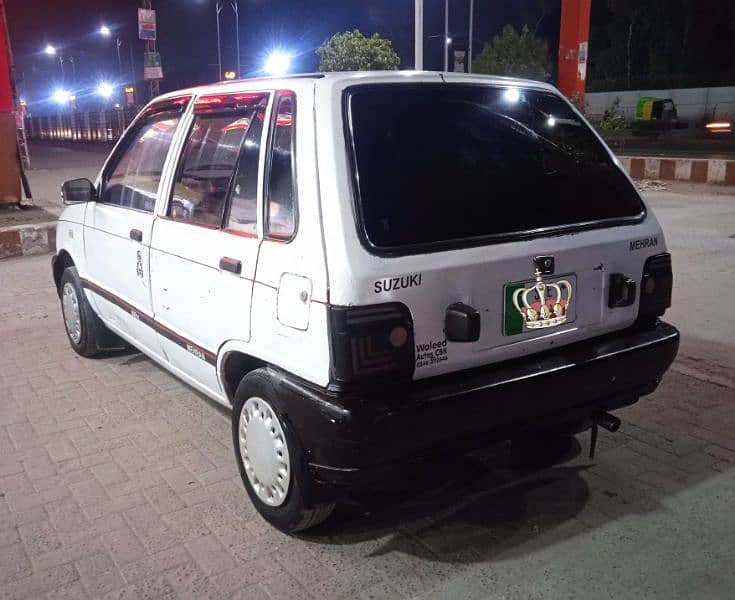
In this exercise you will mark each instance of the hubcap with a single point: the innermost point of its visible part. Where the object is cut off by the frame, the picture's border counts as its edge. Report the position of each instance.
(70, 306)
(264, 452)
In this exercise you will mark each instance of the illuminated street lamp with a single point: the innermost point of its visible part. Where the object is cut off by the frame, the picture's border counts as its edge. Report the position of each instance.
(219, 7)
(61, 96)
(105, 90)
(277, 63)
(50, 50)
(105, 31)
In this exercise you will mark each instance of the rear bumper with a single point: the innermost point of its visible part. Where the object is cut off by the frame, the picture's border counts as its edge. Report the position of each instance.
(353, 439)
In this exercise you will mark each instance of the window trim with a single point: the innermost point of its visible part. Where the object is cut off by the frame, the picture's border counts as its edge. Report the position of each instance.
(226, 110)
(230, 189)
(470, 242)
(177, 104)
(267, 173)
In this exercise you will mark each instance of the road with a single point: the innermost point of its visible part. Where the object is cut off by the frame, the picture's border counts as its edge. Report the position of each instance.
(118, 481)
(52, 164)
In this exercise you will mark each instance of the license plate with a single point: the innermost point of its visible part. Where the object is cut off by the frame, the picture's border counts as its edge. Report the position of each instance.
(525, 311)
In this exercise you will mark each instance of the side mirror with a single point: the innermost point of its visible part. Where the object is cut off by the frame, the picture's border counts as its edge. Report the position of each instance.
(77, 191)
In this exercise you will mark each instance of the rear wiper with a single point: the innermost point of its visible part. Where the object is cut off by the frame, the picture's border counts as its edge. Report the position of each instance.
(535, 135)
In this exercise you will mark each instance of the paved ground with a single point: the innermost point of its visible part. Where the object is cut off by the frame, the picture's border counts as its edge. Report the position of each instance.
(117, 481)
(52, 164)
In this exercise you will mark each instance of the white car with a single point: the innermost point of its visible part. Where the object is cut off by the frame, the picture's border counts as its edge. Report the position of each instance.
(370, 268)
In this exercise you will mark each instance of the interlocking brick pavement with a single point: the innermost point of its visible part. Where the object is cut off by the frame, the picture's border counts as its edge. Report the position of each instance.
(117, 481)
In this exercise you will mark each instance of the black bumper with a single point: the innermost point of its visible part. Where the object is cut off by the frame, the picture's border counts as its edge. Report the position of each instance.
(352, 438)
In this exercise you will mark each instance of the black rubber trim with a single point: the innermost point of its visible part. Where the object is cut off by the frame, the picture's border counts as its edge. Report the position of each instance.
(366, 429)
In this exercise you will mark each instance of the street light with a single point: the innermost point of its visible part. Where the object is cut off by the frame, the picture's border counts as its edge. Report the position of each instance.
(61, 96)
(447, 39)
(50, 50)
(236, 10)
(418, 52)
(107, 32)
(277, 63)
(218, 8)
(105, 90)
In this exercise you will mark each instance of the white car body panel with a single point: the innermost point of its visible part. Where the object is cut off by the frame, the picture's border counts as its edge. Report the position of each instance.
(277, 309)
(474, 276)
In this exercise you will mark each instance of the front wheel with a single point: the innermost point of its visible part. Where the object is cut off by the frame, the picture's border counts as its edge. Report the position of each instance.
(271, 463)
(82, 324)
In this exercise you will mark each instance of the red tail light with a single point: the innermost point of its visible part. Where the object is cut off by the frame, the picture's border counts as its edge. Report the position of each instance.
(370, 342)
(656, 287)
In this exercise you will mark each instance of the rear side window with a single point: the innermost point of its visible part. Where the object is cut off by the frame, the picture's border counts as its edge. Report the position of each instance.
(450, 165)
(206, 167)
(281, 198)
(133, 180)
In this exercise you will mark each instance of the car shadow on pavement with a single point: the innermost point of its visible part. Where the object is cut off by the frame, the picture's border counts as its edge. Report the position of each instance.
(488, 501)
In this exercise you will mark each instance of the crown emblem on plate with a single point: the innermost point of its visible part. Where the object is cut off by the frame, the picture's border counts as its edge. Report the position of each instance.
(539, 308)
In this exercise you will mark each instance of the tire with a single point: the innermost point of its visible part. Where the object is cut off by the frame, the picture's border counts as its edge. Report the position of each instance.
(276, 473)
(83, 326)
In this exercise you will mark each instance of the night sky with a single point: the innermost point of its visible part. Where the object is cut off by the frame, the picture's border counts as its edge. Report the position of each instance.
(187, 35)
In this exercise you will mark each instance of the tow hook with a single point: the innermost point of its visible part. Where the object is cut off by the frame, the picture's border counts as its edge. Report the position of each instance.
(604, 420)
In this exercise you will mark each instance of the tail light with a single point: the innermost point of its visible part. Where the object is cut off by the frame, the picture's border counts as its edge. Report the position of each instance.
(371, 342)
(656, 286)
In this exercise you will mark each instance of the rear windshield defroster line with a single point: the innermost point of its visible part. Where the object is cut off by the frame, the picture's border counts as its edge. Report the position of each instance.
(439, 166)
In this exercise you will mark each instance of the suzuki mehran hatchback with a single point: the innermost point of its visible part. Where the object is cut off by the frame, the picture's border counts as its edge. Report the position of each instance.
(370, 268)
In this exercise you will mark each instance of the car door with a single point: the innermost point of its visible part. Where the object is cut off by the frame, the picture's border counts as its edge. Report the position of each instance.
(205, 244)
(117, 229)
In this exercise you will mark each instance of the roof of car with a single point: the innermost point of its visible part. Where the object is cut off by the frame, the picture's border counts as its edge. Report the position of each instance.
(331, 78)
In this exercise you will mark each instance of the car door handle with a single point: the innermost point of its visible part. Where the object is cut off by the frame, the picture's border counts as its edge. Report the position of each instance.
(230, 264)
(136, 234)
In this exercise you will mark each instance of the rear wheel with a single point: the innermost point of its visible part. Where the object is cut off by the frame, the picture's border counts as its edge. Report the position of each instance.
(271, 463)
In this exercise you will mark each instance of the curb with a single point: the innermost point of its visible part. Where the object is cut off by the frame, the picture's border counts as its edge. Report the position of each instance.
(27, 240)
(711, 170)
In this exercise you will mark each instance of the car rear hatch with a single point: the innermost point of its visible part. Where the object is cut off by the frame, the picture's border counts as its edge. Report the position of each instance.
(495, 214)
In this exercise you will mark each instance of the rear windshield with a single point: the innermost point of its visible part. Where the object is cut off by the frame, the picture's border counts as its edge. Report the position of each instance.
(449, 164)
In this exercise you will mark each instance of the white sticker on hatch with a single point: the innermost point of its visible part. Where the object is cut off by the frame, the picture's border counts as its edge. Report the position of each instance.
(431, 353)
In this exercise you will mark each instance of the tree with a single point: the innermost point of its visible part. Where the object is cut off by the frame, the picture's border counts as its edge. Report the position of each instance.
(515, 54)
(352, 51)
(661, 43)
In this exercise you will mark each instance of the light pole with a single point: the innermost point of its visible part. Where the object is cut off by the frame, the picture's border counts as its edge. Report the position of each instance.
(50, 50)
(469, 49)
(236, 10)
(118, 43)
(218, 8)
(107, 32)
(446, 35)
(73, 66)
(419, 36)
